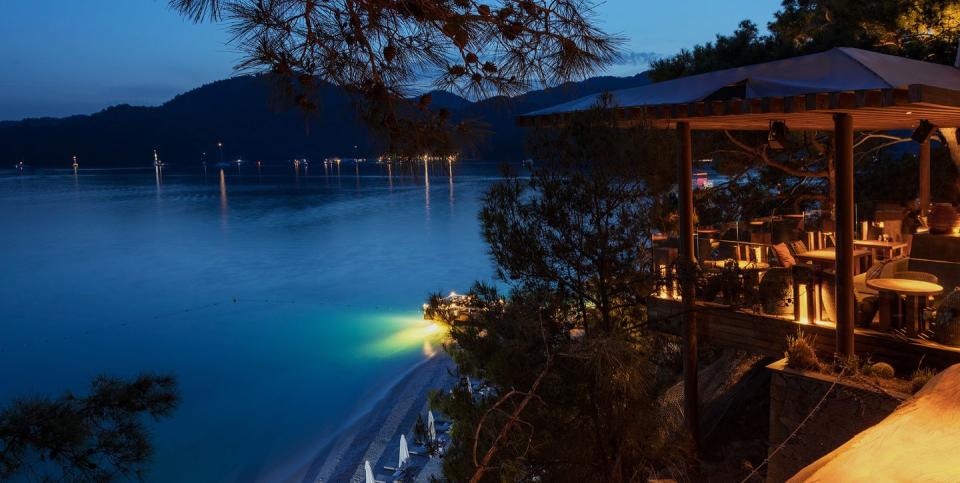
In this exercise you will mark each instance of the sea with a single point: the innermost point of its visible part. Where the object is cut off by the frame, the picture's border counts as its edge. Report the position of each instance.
(286, 301)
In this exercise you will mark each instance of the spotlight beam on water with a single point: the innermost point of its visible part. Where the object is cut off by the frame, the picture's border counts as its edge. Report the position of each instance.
(413, 332)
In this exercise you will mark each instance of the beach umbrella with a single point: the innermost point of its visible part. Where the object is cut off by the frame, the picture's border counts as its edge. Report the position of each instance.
(368, 471)
(404, 451)
(431, 426)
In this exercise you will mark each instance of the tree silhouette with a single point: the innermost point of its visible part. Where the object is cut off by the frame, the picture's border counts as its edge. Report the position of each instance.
(98, 437)
(384, 51)
(565, 356)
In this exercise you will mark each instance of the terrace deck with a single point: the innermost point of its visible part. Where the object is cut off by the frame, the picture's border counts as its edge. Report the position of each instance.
(764, 334)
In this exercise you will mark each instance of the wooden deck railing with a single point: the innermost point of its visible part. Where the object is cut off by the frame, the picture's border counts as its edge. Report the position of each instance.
(764, 334)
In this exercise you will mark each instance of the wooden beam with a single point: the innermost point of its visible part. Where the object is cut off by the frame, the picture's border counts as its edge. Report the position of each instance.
(846, 305)
(924, 177)
(933, 95)
(691, 398)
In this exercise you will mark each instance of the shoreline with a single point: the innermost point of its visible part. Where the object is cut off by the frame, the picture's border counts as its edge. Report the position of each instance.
(374, 434)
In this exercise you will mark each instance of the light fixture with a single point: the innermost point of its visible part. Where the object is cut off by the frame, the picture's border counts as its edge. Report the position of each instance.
(923, 132)
(777, 136)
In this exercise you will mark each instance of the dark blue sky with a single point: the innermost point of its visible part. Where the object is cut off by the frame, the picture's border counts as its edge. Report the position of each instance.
(64, 57)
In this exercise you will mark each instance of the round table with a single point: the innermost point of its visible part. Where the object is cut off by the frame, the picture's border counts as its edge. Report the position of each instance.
(742, 264)
(916, 293)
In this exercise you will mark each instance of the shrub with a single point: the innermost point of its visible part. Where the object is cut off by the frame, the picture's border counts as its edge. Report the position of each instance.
(800, 354)
(920, 378)
(882, 370)
(419, 430)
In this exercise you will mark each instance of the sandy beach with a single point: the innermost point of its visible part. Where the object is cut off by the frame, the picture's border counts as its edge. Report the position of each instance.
(375, 436)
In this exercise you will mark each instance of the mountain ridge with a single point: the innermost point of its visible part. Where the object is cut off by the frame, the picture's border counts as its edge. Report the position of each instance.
(245, 114)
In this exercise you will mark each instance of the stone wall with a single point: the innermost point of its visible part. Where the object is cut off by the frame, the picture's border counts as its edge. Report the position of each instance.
(848, 410)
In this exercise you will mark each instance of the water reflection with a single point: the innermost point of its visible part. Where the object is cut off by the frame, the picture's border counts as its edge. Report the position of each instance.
(338, 174)
(414, 332)
(450, 177)
(426, 185)
(224, 206)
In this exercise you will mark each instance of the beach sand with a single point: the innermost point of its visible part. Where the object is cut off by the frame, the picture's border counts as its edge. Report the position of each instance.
(375, 437)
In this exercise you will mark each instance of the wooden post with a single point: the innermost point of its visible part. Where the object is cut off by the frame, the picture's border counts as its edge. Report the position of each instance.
(924, 177)
(691, 398)
(846, 304)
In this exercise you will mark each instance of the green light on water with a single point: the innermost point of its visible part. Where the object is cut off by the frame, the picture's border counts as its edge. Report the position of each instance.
(410, 333)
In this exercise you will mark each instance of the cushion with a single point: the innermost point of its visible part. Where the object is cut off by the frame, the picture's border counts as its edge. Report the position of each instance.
(798, 246)
(783, 254)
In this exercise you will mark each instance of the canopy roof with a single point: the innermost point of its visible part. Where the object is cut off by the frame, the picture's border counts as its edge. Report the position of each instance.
(880, 91)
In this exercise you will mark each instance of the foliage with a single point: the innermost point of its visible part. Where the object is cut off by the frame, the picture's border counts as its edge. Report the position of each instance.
(874, 174)
(382, 50)
(921, 377)
(744, 47)
(98, 437)
(919, 29)
(565, 353)
(800, 353)
(800, 177)
(574, 230)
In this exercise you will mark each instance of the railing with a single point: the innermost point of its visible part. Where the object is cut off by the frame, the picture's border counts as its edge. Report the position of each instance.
(747, 280)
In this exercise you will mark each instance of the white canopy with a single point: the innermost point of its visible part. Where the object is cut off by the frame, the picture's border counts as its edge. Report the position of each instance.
(836, 70)
(368, 473)
(781, 85)
(404, 451)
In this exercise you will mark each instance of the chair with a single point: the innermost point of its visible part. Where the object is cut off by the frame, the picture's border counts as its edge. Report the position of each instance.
(704, 249)
(919, 276)
(881, 269)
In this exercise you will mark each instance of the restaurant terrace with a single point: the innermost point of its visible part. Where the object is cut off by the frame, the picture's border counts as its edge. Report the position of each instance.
(863, 287)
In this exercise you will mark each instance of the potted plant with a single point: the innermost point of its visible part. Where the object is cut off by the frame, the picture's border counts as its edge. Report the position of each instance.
(943, 219)
(776, 291)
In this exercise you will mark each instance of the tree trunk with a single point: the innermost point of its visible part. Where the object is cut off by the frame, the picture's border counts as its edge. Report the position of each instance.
(953, 146)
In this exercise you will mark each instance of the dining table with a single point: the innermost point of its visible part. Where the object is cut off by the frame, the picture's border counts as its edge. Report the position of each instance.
(882, 250)
(827, 258)
(891, 310)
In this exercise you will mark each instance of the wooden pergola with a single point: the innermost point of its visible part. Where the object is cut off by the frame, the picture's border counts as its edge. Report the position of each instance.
(904, 93)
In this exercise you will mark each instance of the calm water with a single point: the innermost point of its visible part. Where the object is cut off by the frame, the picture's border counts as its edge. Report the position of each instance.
(283, 303)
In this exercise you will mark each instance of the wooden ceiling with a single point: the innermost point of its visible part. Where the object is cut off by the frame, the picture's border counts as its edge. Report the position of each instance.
(876, 109)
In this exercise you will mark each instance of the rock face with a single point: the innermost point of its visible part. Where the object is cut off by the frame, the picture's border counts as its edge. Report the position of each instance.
(919, 441)
(847, 410)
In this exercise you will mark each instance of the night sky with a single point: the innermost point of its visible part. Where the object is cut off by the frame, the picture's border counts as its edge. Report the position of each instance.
(63, 57)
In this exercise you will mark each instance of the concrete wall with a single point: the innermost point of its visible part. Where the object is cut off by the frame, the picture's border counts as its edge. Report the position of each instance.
(848, 410)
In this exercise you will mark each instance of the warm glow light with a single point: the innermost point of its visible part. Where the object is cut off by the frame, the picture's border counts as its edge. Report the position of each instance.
(414, 332)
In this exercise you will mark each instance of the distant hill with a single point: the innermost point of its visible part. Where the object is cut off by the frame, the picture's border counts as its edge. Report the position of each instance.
(243, 114)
